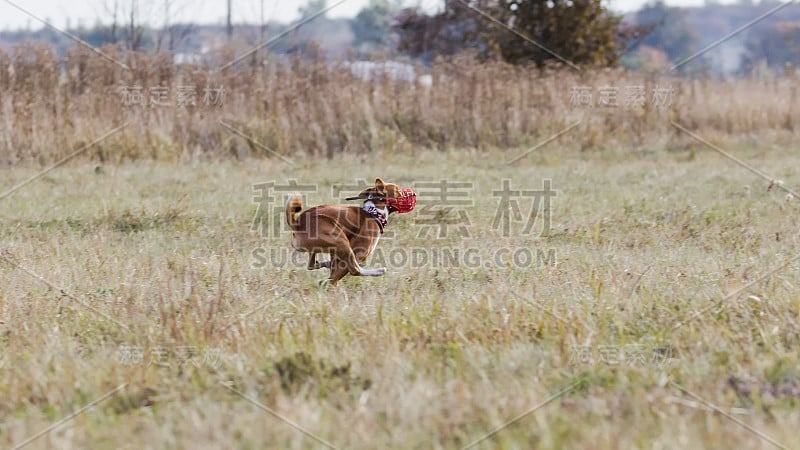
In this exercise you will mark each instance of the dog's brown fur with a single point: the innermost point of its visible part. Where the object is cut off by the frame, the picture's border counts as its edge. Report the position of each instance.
(347, 233)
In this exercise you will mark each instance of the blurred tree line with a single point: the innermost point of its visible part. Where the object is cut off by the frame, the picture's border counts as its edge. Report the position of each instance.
(538, 32)
(655, 37)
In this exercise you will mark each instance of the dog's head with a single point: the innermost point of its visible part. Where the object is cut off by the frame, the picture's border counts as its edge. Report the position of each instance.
(391, 195)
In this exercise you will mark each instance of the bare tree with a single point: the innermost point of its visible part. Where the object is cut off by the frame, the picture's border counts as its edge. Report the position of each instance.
(156, 23)
(112, 10)
(263, 29)
(164, 27)
(114, 22)
(135, 31)
(173, 33)
(230, 24)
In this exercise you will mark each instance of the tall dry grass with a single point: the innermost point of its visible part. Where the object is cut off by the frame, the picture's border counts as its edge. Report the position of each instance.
(50, 107)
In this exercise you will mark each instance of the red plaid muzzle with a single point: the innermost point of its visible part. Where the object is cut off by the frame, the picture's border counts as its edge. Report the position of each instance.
(404, 203)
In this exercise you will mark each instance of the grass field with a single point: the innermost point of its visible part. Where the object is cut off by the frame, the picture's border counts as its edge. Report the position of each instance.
(176, 335)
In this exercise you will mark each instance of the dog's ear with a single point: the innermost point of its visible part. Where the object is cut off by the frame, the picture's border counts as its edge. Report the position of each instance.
(379, 182)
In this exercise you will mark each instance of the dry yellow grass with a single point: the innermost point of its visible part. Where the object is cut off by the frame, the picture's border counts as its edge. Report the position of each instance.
(301, 107)
(425, 357)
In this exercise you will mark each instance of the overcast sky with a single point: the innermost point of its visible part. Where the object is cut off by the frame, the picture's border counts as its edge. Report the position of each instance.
(87, 12)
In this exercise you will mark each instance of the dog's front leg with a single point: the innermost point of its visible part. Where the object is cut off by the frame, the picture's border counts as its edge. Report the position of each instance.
(345, 254)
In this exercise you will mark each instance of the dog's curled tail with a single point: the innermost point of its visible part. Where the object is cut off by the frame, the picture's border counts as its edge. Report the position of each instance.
(294, 204)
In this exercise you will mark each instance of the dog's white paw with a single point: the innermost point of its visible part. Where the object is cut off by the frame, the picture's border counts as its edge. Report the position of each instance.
(372, 272)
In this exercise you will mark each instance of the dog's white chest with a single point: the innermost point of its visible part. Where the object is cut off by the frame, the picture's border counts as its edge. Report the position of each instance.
(368, 205)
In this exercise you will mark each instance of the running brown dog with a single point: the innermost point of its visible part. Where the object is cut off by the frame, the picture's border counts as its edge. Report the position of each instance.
(348, 233)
